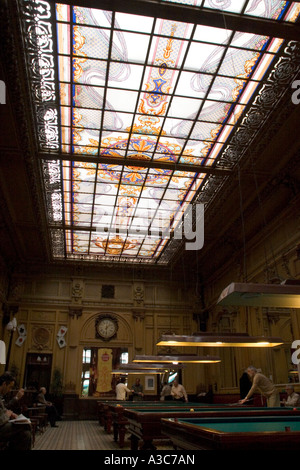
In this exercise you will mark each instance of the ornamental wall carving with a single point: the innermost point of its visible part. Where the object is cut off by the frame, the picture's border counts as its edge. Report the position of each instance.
(42, 337)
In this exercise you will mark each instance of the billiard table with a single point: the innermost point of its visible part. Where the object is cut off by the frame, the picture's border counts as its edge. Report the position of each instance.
(103, 409)
(113, 414)
(146, 424)
(108, 410)
(234, 433)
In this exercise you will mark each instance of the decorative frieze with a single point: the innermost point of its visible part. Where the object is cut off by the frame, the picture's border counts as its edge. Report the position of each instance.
(77, 291)
(138, 295)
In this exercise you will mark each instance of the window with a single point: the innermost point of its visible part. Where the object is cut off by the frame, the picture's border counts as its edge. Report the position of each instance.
(86, 356)
(124, 358)
(172, 377)
(91, 372)
(85, 381)
(108, 292)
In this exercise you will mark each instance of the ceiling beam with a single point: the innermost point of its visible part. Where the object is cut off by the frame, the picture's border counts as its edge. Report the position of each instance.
(136, 163)
(197, 15)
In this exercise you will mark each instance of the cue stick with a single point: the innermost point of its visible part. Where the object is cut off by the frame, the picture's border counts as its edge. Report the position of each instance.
(240, 404)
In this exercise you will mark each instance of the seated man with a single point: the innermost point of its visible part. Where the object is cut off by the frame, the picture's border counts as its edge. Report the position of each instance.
(17, 436)
(50, 408)
(14, 402)
(293, 398)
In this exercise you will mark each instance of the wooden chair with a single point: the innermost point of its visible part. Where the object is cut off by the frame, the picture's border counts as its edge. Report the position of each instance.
(38, 415)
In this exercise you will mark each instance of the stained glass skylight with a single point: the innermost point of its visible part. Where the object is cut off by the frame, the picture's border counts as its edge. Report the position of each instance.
(131, 113)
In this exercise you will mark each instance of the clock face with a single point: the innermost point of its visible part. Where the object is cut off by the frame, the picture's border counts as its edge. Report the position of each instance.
(106, 328)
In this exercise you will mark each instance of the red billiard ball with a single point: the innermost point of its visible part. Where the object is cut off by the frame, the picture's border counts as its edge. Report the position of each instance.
(294, 409)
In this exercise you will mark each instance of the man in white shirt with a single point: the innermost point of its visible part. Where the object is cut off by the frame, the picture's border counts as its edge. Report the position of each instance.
(293, 398)
(121, 390)
(178, 391)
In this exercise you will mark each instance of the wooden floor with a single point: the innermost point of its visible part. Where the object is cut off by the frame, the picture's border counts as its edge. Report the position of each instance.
(83, 435)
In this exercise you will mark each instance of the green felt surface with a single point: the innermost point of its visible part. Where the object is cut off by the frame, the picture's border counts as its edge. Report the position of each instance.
(196, 408)
(239, 425)
(160, 404)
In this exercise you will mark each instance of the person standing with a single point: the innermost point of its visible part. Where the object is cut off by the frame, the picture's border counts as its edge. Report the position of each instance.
(121, 390)
(178, 392)
(261, 383)
(165, 393)
(137, 391)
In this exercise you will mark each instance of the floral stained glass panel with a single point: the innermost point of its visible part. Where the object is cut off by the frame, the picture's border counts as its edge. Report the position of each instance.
(134, 97)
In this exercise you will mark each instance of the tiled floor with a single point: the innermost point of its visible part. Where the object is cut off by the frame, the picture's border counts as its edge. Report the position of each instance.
(82, 435)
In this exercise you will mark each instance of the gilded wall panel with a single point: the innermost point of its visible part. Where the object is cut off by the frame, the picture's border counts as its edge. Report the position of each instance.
(162, 295)
(65, 289)
(92, 290)
(149, 294)
(123, 291)
(23, 315)
(150, 340)
(63, 317)
(43, 316)
(149, 319)
(47, 288)
(171, 320)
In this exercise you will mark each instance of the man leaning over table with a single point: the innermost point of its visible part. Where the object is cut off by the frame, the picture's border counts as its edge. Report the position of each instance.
(261, 383)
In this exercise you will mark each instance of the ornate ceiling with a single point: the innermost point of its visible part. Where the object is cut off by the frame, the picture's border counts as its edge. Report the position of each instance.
(78, 176)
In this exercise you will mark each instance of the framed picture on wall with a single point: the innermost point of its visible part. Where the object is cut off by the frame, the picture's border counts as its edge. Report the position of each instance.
(149, 382)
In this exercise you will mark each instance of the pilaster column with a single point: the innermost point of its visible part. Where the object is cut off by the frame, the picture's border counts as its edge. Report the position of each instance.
(295, 320)
(71, 386)
(138, 314)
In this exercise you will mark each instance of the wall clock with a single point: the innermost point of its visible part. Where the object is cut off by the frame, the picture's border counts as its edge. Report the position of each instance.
(106, 327)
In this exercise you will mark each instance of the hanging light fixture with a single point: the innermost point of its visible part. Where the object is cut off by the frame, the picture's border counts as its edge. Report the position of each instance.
(146, 366)
(178, 359)
(11, 327)
(149, 367)
(138, 371)
(284, 295)
(219, 340)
